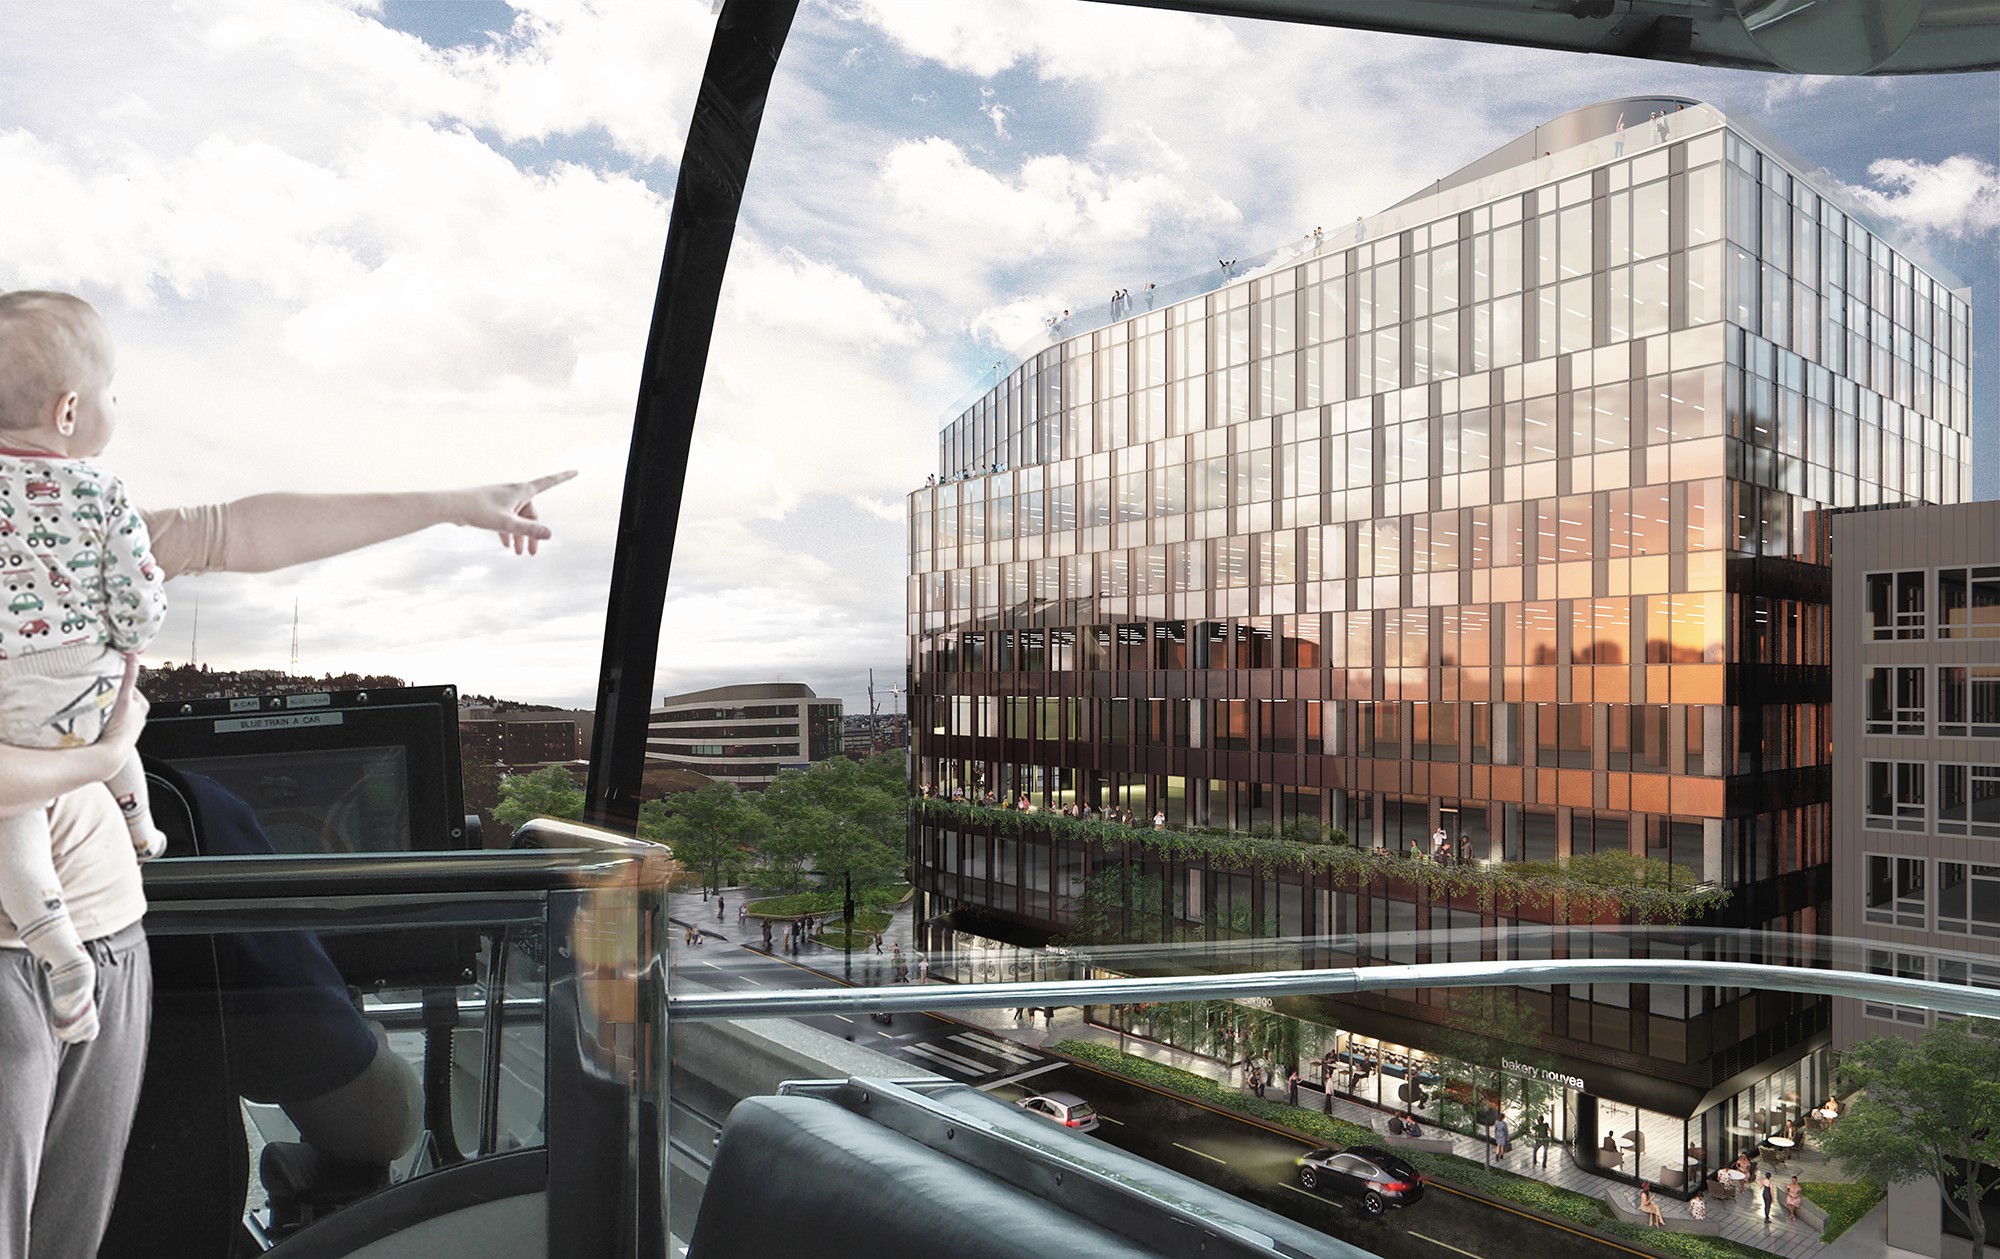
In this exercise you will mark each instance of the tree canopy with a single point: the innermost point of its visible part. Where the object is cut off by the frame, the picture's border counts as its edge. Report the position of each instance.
(548, 792)
(709, 830)
(1928, 1109)
(837, 819)
(1490, 1055)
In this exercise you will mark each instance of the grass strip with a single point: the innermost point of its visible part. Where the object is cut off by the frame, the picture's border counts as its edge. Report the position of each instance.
(1844, 1202)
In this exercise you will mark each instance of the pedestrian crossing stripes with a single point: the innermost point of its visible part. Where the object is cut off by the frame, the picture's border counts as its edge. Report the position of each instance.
(944, 1057)
(992, 1045)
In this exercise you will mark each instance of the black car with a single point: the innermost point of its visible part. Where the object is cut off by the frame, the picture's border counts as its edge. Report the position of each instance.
(1368, 1173)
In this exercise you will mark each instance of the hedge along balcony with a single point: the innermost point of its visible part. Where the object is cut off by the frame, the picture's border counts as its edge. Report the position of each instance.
(1606, 884)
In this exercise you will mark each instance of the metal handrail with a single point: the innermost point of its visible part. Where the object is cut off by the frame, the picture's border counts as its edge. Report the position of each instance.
(790, 1003)
(323, 875)
(550, 834)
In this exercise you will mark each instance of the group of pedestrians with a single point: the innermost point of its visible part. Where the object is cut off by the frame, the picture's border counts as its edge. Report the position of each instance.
(1442, 852)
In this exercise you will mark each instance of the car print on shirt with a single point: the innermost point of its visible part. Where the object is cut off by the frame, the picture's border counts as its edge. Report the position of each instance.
(42, 489)
(82, 561)
(25, 601)
(41, 535)
(35, 627)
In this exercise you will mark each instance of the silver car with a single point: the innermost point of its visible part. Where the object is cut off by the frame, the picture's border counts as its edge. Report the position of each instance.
(1067, 1109)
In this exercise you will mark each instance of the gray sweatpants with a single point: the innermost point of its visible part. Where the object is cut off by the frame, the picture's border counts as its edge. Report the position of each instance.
(66, 1110)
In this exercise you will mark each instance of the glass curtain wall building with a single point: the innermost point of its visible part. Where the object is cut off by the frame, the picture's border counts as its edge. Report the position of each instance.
(1493, 514)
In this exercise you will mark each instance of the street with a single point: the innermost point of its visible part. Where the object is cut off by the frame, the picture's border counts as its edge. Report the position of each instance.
(1230, 1152)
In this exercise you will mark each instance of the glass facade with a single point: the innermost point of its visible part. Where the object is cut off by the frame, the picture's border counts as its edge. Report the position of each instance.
(1499, 520)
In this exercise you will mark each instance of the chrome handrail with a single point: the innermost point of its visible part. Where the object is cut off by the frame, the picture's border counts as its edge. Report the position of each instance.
(791, 1003)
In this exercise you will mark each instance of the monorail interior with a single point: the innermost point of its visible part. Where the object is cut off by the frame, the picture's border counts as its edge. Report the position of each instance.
(503, 1014)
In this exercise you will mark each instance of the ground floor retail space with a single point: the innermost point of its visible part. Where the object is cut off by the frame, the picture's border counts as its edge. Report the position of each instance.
(1587, 1122)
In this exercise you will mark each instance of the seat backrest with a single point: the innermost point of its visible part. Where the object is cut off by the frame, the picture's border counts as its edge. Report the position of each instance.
(187, 1162)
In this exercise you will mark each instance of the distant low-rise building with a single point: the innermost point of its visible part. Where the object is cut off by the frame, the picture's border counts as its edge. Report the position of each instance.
(863, 736)
(744, 734)
(525, 737)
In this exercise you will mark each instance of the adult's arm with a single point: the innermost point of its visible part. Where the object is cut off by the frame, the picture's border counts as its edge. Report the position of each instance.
(271, 531)
(31, 777)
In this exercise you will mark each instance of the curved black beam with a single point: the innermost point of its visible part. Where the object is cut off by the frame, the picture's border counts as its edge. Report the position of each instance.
(749, 35)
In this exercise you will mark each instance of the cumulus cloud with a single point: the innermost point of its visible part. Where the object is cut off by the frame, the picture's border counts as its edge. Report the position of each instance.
(1051, 199)
(336, 256)
(1061, 41)
(1957, 198)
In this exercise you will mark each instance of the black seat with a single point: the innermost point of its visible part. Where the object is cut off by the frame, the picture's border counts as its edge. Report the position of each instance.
(187, 1164)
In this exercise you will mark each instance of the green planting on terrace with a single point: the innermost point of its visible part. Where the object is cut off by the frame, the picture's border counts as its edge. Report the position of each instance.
(1584, 887)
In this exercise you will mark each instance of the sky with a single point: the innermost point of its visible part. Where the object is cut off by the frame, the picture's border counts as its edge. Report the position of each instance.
(397, 244)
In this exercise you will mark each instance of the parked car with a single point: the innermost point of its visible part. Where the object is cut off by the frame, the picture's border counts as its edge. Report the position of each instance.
(1367, 1173)
(1067, 1109)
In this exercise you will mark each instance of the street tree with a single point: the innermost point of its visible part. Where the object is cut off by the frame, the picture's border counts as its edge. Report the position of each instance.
(1926, 1109)
(708, 829)
(838, 819)
(479, 777)
(548, 792)
(1490, 1058)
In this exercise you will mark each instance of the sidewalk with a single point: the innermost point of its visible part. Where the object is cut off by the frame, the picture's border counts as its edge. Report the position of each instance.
(1741, 1218)
(689, 909)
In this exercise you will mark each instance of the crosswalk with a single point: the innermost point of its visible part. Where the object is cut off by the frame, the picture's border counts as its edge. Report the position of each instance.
(972, 1055)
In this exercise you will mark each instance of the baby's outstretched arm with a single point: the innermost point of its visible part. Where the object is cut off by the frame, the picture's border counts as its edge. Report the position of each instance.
(271, 531)
(31, 777)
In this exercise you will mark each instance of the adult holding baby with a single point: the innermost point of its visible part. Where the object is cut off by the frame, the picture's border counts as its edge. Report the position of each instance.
(67, 1108)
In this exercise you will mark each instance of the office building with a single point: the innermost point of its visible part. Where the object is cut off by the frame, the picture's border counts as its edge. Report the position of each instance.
(744, 734)
(1491, 513)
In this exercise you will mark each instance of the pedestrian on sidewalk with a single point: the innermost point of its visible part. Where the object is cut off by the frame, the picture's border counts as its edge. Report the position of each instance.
(1769, 1193)
(1292, 1086)
(767, 935)
(1502, 1136)
(742, 914)
(721, 903)
(1539, 1156)
(923, 968)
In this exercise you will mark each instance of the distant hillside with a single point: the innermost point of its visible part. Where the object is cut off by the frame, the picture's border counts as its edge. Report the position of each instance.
(185, 681)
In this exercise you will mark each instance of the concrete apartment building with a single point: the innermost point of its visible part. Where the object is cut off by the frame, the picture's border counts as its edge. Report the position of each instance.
(1916, 797)
(744, 734)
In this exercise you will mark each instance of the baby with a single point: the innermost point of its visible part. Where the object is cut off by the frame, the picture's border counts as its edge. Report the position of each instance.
(81, 589)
